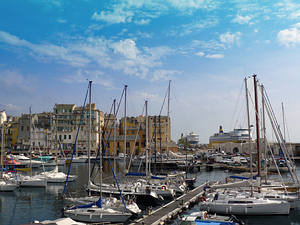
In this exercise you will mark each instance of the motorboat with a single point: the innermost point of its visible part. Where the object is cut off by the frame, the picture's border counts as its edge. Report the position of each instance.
(202, 217)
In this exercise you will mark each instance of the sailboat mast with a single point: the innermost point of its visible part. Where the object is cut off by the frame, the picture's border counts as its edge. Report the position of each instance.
(30, 121)
(125, 125)
(257, 125)
(89, 137)
(264, 130)
(249, 138)
(101, 163)
(2, 148)
(115, 126)
(168, 115)
(56, 138)
(146, 144)
(283, 122)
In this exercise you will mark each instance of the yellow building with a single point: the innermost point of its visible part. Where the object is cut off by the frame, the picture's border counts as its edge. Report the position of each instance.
(158, 131)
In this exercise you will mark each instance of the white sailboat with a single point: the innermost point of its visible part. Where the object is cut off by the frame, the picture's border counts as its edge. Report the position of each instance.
(5, 185)
(96, 211)
(31, 181)
(244, 205)
(54, 176)
(239, 202)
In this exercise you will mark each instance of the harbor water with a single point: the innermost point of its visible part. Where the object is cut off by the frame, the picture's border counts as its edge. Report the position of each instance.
(37, 204)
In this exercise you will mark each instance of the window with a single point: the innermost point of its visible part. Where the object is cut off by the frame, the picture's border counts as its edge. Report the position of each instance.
(60, 137)
(22, 128)
(65, 137)
(70, 137)
(127, 144)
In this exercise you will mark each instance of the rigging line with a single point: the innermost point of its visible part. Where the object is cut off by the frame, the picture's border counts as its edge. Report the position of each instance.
(98, 152)
(105, 128)
(268, 144)
(280, 142)
(137, 133)
(289, 138)
(109, 134)
(237, 102)
(74, 147)
(116, 180)
(161, 109)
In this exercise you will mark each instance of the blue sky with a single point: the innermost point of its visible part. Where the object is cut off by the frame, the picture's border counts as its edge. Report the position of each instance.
(48, 48)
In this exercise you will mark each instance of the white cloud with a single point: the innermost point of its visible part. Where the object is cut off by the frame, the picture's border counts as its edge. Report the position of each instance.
(144, 34)
(242, 19)
(193, 4)
(215, 56)
(9, 107)
(255, 30)
(61, 20)
(163, 74)
(82, 76)
(49, 50)
(143, 11)
(142, 21)
(118, 15)
(123, 55)
(289, 37)
(200, 54)
(126, 48)
(197, 26)
(12, 80)
(230, 39)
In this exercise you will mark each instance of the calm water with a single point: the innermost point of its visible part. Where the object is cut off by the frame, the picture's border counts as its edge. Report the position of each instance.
(29, 204)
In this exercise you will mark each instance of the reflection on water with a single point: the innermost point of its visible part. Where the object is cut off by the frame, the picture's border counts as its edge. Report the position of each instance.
(29, 204)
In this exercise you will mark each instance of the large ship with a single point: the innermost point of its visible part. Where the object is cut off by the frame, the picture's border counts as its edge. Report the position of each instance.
(235, 136)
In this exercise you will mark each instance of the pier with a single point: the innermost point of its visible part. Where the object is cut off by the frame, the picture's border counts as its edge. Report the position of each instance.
(171, 210)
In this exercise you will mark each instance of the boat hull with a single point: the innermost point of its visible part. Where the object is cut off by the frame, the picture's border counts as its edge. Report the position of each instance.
(7, 186)
(276, 208)
(90, 216)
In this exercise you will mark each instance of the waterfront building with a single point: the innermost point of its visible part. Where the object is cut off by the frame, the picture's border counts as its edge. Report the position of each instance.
(136, 135)
(37, 135)
(159, 133)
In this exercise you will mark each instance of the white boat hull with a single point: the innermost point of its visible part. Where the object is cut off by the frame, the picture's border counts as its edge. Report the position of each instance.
(31, 182)
(5, 186)
(98, 215)
(267, 208)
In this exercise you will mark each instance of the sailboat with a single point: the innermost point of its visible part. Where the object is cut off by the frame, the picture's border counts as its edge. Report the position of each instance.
(96, 211)
(239, 202)
(31, 180)
(5, 184)
(54, 176)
